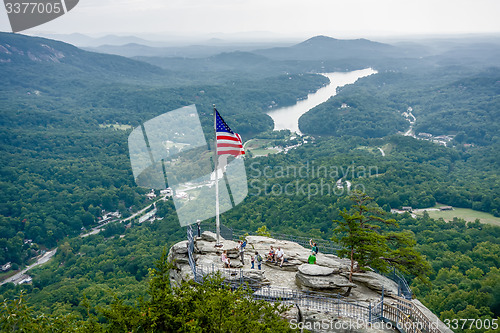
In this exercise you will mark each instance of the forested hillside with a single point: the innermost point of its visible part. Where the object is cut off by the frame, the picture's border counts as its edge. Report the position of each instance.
(465, 106)
(62, 164)
(67, 113)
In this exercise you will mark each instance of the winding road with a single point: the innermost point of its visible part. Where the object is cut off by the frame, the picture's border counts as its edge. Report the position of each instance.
(16, 278)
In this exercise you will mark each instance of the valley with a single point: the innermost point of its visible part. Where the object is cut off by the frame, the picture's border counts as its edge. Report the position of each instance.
(65, 160)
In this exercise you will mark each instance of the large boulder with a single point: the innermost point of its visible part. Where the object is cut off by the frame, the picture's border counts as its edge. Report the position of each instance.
(179, 248)
(210, 236)
(308, 269)
(321, 282)
(204, 247)
(375, 282)
(330, 275)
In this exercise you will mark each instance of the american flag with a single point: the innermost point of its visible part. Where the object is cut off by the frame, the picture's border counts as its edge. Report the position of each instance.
(228, 142)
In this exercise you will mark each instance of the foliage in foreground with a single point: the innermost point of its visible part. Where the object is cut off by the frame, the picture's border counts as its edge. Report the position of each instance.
(207, 307)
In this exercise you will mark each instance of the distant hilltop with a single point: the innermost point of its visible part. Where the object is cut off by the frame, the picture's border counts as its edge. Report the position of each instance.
(328, 48)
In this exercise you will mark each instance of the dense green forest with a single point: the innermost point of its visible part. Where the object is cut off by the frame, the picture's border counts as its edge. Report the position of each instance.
(64, 127)
(61, 169)
(209, 307)
(466, 106)
(104, 265)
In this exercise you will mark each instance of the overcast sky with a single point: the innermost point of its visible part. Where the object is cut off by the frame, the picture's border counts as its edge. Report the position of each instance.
(345, 18)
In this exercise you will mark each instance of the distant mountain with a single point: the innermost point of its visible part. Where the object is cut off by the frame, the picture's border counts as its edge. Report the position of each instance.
(201, 50)
(327, 48)
(82, 40)
(140, 50)
(225, 66)
(30, 59)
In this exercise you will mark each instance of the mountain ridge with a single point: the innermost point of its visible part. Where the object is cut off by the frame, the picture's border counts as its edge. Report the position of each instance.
(30, 58)
(328, 48)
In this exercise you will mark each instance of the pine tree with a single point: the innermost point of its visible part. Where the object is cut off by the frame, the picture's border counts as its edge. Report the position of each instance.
(366, 245)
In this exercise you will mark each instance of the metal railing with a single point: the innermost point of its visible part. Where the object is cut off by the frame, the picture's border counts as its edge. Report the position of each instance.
(323, 302)
(325, 246)
(406, 316)
(409, 316)
(190, 246)
(403, 287)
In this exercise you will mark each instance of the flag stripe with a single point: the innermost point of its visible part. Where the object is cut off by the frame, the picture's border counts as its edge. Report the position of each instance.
(231, 152)
(225, 137)
(232, 145)
(228, 142)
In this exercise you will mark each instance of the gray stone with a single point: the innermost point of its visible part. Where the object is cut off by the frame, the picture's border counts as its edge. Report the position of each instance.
(255, 274)
(323, 281)
(209, 236)
(433, 318)
(205, 247)
(309, 269)
(332, 273)
(179, 248)
(375, 282)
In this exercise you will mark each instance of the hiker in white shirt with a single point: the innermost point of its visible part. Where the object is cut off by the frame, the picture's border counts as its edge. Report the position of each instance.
(280, 256)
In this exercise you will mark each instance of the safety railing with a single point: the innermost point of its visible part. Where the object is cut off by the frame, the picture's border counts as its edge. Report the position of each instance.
(406, 317)
(190, 246)
(323, 302)
(325, 246)
(409, 316)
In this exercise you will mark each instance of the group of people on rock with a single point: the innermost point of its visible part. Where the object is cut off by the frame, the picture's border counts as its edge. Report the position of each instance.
(277, 257)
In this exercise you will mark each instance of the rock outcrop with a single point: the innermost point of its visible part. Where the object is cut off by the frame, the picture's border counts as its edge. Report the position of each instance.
(329, 275)
(321, 278)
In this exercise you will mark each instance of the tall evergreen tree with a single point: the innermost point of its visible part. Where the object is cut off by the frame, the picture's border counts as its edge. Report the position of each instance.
(361, 235)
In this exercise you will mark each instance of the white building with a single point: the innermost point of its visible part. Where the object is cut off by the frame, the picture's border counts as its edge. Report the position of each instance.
(167, 192)
(6, 267)
(151, 195)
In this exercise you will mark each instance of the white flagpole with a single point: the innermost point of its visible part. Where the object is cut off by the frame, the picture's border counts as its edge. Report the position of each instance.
(217, 222)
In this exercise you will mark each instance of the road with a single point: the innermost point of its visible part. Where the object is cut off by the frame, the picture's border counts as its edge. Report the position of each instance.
(96, 230)
(16, 277)
(409, 132)
(49, 254)
(382, 151)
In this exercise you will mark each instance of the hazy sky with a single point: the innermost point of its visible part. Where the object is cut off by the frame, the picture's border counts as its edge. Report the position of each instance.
(342, 18)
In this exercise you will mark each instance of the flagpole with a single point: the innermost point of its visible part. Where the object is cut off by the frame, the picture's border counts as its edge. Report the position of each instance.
(217, 221)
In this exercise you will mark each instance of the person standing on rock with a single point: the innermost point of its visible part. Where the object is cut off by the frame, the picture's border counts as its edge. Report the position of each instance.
(280, 256)
(314, 246)
(241, 248)
(258, 257)
(312, 258)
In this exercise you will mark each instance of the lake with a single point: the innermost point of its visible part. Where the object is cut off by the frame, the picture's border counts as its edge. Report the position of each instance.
(288, 117)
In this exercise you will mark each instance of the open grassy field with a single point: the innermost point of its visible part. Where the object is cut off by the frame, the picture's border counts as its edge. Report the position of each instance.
(260, 147)
(464, 213)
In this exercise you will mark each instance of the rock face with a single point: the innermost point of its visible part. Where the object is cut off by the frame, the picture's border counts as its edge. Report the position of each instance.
(308, 269)
(329, 275)
(319, 277)
(375, 282)
(209, 236)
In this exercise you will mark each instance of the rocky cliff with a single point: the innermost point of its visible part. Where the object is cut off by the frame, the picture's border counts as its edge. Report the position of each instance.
(329, 276)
